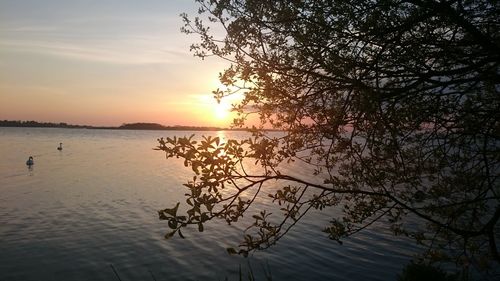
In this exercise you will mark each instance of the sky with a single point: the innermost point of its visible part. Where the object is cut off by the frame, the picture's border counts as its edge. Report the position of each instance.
(104, 62)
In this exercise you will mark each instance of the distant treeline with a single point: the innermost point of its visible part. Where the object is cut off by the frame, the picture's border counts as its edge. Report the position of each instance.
(9, 123)
(155, 126)
(129, 126)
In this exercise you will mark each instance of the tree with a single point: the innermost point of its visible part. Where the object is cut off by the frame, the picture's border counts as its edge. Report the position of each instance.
(394, 104)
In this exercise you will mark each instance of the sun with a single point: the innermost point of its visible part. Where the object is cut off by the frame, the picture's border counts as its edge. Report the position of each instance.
(222, 110)
(221, 113)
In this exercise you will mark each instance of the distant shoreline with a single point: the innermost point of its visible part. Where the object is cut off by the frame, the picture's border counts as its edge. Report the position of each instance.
(126, 126)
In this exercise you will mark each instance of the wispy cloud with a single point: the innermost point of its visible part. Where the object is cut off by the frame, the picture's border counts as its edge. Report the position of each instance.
(102, 38)
(28, 28)
(132, 51)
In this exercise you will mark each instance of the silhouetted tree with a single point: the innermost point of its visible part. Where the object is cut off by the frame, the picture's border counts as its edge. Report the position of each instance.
(394, 104)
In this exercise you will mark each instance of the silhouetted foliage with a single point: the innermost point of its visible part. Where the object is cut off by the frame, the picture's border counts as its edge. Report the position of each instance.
(394, 105)
(419, 271)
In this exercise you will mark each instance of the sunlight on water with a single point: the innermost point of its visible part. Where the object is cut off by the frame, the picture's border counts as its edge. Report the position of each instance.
(94, 204)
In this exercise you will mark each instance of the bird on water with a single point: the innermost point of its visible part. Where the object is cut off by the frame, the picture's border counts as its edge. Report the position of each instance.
(30, 161)
(60, 146)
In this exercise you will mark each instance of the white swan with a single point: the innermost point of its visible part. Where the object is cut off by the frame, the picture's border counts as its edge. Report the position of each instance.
(60, 146)
(30, 161)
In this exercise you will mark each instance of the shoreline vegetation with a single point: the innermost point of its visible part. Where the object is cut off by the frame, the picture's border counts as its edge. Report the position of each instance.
(125, 126)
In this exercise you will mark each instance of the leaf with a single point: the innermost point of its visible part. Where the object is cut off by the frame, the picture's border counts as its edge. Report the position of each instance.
(169, 235)
(231, 251)
(172, 211)
(243, 253)
(204, 217)
(172, 224)
(161, 215)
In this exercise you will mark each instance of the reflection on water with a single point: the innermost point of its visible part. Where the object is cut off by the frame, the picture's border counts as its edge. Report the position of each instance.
(94, 204)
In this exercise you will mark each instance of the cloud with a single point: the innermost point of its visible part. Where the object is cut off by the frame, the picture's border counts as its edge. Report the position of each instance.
(109, 39)
(132, 51)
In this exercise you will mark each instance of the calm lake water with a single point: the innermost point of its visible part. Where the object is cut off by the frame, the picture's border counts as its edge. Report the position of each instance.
(94, 204)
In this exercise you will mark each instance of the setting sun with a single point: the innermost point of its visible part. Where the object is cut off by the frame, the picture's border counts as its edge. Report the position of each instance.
(222, 110)
(213, 112)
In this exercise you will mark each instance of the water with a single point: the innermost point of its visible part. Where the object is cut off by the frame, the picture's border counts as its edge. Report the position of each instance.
(80, 212)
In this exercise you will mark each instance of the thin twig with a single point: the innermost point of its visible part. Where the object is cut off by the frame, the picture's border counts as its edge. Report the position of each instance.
(116, 273)
(150, 272)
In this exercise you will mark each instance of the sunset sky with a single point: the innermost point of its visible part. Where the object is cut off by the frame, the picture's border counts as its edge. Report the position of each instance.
(101, 62)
